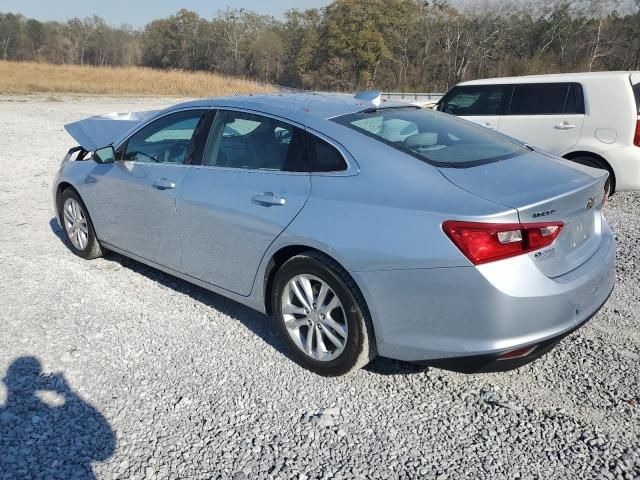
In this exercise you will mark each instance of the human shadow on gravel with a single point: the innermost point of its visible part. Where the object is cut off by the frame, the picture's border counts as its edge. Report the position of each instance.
(46, 429)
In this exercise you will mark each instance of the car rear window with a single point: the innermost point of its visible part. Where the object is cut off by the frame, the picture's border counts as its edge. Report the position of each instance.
(636, 93)
(441, 140)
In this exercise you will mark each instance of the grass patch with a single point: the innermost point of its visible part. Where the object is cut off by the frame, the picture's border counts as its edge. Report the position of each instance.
(31, 77)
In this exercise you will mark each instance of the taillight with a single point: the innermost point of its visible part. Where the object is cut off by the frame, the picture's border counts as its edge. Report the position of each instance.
(488, 242)
(519, 353)
(636, 138)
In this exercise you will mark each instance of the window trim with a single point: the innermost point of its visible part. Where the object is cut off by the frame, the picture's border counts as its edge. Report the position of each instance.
(124, 143)
(580, 93)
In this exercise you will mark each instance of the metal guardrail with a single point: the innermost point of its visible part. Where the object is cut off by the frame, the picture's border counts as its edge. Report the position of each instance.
(417, 98)
(413, 97)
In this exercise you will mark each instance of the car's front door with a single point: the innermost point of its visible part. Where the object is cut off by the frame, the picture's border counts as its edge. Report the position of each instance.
(253, 181)
(135, 196)
(549, 116)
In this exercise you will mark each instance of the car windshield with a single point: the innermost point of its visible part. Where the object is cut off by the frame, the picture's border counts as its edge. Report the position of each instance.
(437, 138)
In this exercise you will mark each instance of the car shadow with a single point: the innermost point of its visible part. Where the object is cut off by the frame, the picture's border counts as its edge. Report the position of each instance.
(57, 230)
(46, 429)
(257, 322)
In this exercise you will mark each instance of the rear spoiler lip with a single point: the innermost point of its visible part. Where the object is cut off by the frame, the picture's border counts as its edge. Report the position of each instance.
(102, 130)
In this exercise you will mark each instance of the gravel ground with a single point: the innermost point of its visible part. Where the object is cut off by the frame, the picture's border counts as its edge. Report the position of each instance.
(116, 370)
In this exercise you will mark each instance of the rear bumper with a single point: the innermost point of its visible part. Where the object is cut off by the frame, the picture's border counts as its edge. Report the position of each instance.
(625, 162)
(493, 363)
(446, 313)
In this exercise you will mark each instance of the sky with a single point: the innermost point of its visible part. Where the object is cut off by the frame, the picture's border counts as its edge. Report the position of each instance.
(139, 12)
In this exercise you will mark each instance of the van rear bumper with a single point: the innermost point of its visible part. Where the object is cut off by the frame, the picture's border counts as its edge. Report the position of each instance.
(625, 162)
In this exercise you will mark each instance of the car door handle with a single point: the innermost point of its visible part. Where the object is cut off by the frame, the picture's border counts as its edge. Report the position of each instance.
(269, 199)
(163, 184)
(564, 126)
(489, 126)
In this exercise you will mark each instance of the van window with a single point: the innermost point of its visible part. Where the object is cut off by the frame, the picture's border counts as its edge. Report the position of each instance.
(475, 100)
(636, 93)
(575, 100)
(546, 99)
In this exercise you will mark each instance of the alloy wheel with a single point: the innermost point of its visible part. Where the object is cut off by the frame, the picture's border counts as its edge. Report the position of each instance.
(314, 317)
(75, 224)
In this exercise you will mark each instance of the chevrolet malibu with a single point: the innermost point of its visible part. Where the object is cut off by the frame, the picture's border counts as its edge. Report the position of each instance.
(362, 227)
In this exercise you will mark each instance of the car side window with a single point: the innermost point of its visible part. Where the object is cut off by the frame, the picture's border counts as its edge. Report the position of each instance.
(170, 139)
(540, 99)
(244, 140)
(324, 157)
(575, 100)
(475, 100)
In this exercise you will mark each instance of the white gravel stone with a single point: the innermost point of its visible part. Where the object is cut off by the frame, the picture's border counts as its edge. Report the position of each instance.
(162, 379)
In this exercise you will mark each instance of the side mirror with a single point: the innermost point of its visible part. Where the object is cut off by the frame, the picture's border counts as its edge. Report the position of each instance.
(105, 155)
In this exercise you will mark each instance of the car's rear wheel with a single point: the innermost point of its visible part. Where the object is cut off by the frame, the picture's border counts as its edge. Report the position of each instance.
(322, 316)
(77, 225)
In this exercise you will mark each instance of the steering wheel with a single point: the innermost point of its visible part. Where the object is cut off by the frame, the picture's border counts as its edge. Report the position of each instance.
(174, 152)
(136, 153)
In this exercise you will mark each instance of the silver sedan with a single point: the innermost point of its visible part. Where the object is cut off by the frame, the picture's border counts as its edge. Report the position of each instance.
(362, 227)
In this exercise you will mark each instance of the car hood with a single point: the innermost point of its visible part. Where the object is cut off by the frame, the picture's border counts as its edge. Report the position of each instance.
(102, 130)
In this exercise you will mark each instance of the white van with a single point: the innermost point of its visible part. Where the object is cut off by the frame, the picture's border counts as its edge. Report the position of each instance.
(590, 118)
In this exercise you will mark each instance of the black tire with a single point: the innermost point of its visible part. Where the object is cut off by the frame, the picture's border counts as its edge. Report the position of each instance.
(360, 347)
(92, 249)
(597, 163)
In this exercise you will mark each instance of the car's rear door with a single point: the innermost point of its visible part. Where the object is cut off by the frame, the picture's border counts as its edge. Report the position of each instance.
(253, 181)
(135, 197)
(481, 104)
(549, 116)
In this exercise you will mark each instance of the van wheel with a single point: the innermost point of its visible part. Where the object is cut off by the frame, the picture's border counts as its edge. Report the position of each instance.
(602, 165)
(322, 316)
(78, 229)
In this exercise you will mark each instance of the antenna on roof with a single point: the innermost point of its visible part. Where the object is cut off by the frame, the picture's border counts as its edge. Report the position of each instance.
(372, 96)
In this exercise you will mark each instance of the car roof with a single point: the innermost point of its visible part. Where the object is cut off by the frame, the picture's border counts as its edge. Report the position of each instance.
(304, 108)
(551, 78)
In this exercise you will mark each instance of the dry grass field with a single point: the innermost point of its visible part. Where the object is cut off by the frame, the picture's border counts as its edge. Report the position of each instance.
(30, 77)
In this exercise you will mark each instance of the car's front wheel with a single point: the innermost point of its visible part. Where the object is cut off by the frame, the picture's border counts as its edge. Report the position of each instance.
(78, 228)
(322, 316)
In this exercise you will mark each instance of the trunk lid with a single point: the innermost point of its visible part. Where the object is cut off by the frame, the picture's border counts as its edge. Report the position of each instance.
(544, 189)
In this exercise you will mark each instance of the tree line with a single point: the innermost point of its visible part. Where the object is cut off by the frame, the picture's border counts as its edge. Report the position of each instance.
(408, 45)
